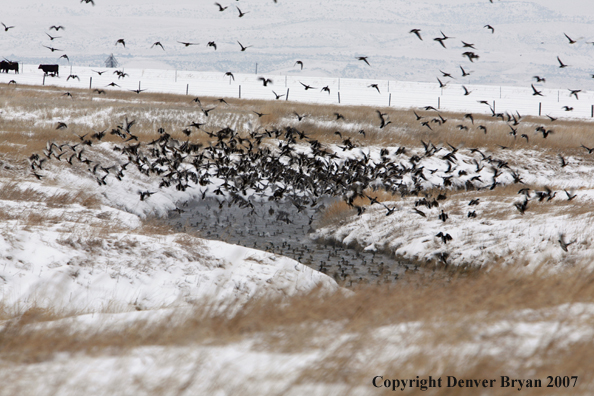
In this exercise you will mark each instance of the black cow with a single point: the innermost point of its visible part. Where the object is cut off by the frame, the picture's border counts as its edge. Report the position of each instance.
(6, 66)
(51, 70)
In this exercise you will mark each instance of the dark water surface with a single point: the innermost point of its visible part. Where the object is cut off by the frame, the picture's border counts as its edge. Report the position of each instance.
(279, 228)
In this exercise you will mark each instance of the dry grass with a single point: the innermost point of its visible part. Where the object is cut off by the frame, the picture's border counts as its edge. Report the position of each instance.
(87, 112)
(450, 307)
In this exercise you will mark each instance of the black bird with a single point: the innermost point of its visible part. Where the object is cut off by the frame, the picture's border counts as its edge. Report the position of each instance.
(138, 90)
(569, 195)
(467, 45)
(299, 63)
(99, 72)
(230, 75)
(187, 44)
(73, 76)
(121, 41)
(65, 57)
(52, 38)
(338, 116)
(464, 72)
(56, 28)
(259, 114)
(466, 91)
(443, 216)
(265, 81)
(159, 44)
(535, 92)
(88, 1)
(562, 161)
(570, 40)
(374, 86)
(417, 32)
(491, 28)
(539, 79)
(442, 85)
(112, 84)
(444, 237)
(590, 150)
(326, 88)
(52, 48)
(6, 27)
(145, 194)
(61, 125)
(561, 64)
(221, 8)
(212, 44)
(241, 14)
(470, 55)
(364, 59)
(242, 47)
(567, 108)
(277, 95)
(307, 86)
(574, 92)
(300, 117)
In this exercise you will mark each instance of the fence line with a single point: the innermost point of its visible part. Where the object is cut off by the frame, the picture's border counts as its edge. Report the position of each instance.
(396, 94)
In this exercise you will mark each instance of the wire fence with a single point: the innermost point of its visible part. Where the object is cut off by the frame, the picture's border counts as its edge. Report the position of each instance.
(537, 101)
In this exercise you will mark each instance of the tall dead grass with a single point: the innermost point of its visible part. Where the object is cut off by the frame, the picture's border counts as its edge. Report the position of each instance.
(453, 309)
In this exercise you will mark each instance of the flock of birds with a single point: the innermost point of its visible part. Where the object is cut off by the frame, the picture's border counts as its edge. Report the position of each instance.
(299, 169)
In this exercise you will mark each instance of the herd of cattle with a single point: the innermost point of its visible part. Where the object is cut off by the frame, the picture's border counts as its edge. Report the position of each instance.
(48, 70)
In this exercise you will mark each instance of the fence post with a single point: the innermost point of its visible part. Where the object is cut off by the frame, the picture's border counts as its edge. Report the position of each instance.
(390, 100)
(287, 96)
(592, 112)
(90, 82)
(339, 97)
(439, 102)
(43, 79)
(539, 108)
(187, 88)
(240, 92)
(493, 106)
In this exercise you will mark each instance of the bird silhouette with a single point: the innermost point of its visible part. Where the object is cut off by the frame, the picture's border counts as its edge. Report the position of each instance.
(56, 28)
(374, 86)
(121, 41)
(88, 1)
(6, 27)
(299, 63)
(221, 8)
(417, 32)
(187, 44)
(265, 81)
(570, 40)
(326, 89)
(159, 44)
(491, 28)
(230, 75)
(241, 14)
(307, 86)
(242, 47)
(364, 59)
(574, 92)
(277, 96)
(212, 44)
(561, 64)
(52, 48)
(52, 38)
(539, 79)
(535, 92)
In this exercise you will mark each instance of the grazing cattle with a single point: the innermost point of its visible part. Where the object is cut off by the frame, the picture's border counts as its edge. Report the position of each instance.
(51, 70)
(6, 66)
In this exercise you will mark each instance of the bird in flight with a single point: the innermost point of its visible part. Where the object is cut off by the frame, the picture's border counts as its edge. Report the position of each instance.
(464, 72)
(570, 40)
(466, 91)
(88, 1)
(138, 90)
(52, 48)
(212, 44)
(535, 92)
(186, 43)
(65, 57)
(265, 81)
(539, 79)
(52, 38)
(467, 45)
(56, 28)
(230, 75)
(242, 47)
(159, 44)
(326, 88)
(561, 64)
(99, 72)
(306, 86)
(574, 92)
(6, 27)
(221, 8)
(374, 86)
(417, 32)
(364, 59)
(241, 14)
(491, 28)
(277, 95)
(121, 41)
(299, 63)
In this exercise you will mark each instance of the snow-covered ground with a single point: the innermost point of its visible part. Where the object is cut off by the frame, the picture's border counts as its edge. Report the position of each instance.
(345, 91)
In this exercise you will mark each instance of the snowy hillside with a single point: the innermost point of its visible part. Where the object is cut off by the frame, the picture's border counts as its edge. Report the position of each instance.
(327, 36)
